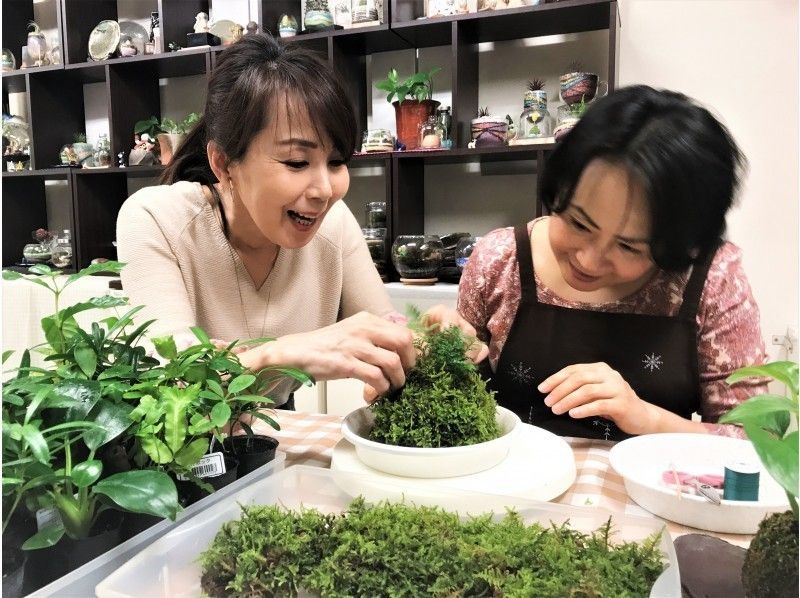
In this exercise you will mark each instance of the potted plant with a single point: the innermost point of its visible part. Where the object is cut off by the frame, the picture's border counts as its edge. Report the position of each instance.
(59, 419)
(83, 150)
(168, 133)
(488, 130)
(771, 423)
(413, 105)
(417, 257)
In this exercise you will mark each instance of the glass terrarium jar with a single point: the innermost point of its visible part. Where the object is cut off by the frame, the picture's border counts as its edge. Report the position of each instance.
(431, 134)
(102, 152)
(376, 214)
(36, 253)
(417, 257)
(62, 250)
(464, 249)
(376, 243)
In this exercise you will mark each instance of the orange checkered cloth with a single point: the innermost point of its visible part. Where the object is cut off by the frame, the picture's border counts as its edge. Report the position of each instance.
(309, 438)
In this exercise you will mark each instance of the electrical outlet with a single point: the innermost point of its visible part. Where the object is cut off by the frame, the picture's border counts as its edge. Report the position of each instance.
(788, 341)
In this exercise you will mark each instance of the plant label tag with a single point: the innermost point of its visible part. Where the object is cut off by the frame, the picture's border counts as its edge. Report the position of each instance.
(47, 517)
(209, 466)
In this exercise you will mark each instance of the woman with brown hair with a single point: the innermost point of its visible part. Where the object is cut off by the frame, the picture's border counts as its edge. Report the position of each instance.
(246, 236)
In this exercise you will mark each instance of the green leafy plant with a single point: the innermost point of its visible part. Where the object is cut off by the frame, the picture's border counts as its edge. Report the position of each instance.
(444, 402)
(417, 87)
(405, 550)
(79, 137)
(57, 419)
(536, 84)
(199, 393)
(770, 567)
(771, 423)
(153, 127)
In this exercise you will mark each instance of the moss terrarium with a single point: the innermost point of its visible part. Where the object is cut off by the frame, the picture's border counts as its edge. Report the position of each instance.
(444, 402)
(417, 256)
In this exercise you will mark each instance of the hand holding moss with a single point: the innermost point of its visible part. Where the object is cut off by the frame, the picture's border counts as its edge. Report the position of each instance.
(363, 346)
(444, 317)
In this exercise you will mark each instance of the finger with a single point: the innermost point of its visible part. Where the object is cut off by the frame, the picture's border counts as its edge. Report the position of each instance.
(600, 408)
(394, 338)
(478, 351)
(370, 375)
(370, 394)
(388, 362)
(554, 380)
(570, 383)
(584, 394)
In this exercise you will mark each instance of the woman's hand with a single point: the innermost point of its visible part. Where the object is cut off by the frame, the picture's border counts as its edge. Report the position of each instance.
(364, 346)
(445, 317)
(595, 389)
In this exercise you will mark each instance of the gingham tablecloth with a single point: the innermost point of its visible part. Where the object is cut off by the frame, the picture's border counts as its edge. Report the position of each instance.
(309, 438)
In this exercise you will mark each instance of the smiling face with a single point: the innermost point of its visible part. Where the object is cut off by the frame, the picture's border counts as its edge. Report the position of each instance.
(601, 240)
(289, 178)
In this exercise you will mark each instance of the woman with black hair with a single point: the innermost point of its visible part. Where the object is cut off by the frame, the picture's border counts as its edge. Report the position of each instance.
(246, 236)
(623, 311)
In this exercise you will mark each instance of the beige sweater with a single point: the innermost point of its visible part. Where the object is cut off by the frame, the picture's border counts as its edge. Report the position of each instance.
(182, 268)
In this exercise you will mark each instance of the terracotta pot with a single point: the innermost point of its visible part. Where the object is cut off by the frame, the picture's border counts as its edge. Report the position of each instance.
(410, 114)
(169, 143)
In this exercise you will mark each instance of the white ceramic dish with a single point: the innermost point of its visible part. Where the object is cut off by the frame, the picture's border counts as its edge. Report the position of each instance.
(539, 466)
(413, 462)
(169, 568)
(642, 460)
(103, 40)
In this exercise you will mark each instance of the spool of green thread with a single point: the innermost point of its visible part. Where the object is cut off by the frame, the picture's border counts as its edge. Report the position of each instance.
(741, 481)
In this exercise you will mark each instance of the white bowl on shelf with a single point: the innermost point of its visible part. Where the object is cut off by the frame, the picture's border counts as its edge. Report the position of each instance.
(642, 460)
(428, 462)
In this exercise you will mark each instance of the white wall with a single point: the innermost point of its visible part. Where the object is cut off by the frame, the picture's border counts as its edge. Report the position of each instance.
(740, 59)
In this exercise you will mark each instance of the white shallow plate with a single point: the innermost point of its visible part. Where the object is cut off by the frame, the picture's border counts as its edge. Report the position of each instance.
(539, 466)
(641, 460)
(428, 462)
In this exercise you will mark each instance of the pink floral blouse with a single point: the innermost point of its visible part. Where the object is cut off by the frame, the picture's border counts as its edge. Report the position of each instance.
(729, 335)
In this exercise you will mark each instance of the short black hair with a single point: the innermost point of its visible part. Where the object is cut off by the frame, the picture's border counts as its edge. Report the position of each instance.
(685, 160)
(252, 77)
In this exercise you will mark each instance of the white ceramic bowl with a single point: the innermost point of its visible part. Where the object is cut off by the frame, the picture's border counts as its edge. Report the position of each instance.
(428, 462)
(641, 460)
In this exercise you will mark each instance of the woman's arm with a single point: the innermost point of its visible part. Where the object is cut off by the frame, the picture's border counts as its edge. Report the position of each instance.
(729, 338)
(151, 276)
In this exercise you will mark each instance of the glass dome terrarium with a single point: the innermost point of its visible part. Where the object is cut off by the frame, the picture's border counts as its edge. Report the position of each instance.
(417, 258)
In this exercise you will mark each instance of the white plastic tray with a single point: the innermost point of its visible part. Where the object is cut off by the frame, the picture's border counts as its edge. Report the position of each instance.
(81, 582)
(168, 568)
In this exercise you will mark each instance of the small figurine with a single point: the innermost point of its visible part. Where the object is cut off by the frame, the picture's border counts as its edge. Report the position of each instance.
(201, 23)
(121, 160)
(252, 28)
(128, 48)
(236, 33)
(143, 152)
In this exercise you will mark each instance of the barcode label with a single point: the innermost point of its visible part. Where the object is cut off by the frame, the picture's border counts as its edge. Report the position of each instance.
(47, 517)
(210, 466)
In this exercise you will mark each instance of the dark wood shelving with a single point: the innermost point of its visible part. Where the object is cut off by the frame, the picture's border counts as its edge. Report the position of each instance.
(55, 99)
(45, 173)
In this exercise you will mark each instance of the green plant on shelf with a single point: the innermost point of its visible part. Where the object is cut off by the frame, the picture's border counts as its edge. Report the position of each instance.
(417, 87)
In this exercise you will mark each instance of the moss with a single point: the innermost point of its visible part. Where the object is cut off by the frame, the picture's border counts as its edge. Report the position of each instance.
(405, 550)
(444, 402)
(770, 565)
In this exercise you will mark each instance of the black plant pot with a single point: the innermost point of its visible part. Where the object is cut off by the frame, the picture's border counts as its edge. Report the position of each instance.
(135, 523)
(13, 571)
(48, 564)
(251, 451)
(189, 492)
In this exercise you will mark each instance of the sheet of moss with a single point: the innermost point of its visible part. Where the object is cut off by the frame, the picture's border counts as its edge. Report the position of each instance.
(444, 402)
(403, 550)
